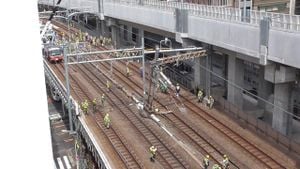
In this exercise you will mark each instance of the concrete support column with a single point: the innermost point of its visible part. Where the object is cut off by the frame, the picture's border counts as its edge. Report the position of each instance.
(292, 7)
(122, 33)
(98, 26)
(115, 35)
(85, 19)
(236, 76)
(264, 88)
(282, 122)
(102, 23)
(200, 73)
(208, 72)
(129, 33)
(139, 37)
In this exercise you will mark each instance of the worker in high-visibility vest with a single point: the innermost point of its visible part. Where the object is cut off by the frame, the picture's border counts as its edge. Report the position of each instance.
(94, 41)
(225, 162)
(77, 145)
(163, 87)
(152, 151)
(102, 100)
(206, 161)
(107, 120)
(104, 41)
(200, 96)
(80, 36)
(127, 71)
(94, 102)
(216, 166)
(108, 85)
(85, 106)
(177, 89)
(212, 100)
(86, 37)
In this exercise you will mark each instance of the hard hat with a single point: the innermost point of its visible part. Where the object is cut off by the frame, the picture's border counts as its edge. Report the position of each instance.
(225, 156)
(207, 156)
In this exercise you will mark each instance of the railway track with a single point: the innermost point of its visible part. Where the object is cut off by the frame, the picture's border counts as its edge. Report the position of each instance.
(244, 144)
(235, 137)
(166, 156)
(255, 151)
(172, 161)
(120, 145)
(124, 80)
(199, 142)
(265, 159)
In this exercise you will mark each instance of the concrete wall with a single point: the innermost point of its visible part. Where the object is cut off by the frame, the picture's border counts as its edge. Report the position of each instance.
(142, 15)
(92, 4)
(284, 47)
(236, 37)
(239, 37)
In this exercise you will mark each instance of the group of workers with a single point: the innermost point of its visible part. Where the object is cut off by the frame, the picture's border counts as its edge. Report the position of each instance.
(85, 37)
(85, 104)
(85, 107)
(210, 100)
(200, 95)
(96, 41)
(225, 163)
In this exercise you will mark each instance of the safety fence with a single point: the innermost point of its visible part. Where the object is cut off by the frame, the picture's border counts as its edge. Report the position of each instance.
(277, 20)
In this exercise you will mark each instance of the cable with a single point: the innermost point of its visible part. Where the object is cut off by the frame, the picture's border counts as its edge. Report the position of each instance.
(242, 89)
(226, 80)
(54, 10)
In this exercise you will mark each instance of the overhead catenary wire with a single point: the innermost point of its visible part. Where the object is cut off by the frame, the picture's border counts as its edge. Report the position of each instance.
(228, 82)
(242, 89)
(215, 74)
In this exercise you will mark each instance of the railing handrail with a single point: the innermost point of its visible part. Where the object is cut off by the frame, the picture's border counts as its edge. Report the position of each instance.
(278, 20)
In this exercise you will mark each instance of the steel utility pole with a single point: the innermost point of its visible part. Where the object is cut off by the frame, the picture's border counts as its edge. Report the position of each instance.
(152, 74)
(143, 62)
(68, 89)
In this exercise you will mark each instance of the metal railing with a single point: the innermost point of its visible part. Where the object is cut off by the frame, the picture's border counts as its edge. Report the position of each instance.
(278, 20)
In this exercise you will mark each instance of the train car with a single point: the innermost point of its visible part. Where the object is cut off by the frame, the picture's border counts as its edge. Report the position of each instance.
(53, 54)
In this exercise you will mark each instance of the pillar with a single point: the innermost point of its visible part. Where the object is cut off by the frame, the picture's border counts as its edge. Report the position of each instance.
(235, 76)
(283, 78)
(282, 121)
(292, 7)
(129, 33)
(265, 88)
(122, 39)
(139, 37)
(115, 35)
(208, 71)
(98, 26)
(102, 23)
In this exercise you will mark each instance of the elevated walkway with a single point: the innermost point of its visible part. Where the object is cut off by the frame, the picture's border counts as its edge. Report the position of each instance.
(220, 26)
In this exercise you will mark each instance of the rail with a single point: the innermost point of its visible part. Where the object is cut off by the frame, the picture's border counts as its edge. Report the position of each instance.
(257, 125)
(54, 80)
